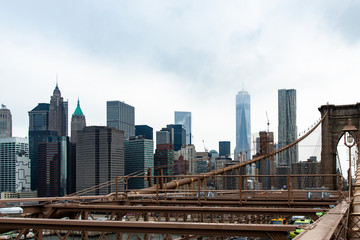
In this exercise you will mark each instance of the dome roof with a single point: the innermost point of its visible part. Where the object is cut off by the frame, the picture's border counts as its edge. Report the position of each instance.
(78, 111)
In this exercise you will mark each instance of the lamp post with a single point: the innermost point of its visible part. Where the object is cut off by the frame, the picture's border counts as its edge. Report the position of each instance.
(349, 142)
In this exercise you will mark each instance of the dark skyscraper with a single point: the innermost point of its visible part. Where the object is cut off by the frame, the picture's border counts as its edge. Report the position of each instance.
(164, 159)
(58, 113)
(224, 149)
(46, 120)
(139, 157)
(179, 135)
(78, 122)
(38, 132)
(5, 122)
(121, 116)
(56, 166)
(144, 130)
(99, 157)
(287, 129)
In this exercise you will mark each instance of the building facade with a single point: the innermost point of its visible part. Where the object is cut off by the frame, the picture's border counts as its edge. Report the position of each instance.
(184, 118)
(58, 113)
(78, 122)
(121, 116)
(224, 149)
(287, 129)
(243, 126)
(145, 131)
(38, 132)
(56, 167)
(5, 122)
(14, 165)
(179, 135)
(99, 158)
(139, 157)
(164, 159)
(186, 160)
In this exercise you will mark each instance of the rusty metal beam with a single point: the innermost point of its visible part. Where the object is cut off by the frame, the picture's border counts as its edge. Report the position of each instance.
(204, 229)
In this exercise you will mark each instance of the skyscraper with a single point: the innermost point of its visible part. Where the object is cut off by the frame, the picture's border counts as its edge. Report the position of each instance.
(224, 148)
(5, 122)
(58, 113)
(243, 126)
(46, 120)
(38, 132)
(14, 164)
(144, 130)
(287, 129)
(56, 167)
(78, 122)
(179, 135)
(99, 158)
(184, 118)
(121, 116)
(139, 157)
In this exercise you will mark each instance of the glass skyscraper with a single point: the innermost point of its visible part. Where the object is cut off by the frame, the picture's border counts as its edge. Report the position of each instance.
(121, 116)
(287, 129)
(184, 118)
(243, 126)
(139, 157)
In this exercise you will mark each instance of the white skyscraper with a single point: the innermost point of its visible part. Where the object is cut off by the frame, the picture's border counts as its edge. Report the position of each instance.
(14, 164)
(243, 126)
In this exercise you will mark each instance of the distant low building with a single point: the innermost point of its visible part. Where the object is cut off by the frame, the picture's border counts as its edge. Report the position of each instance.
(307, 168)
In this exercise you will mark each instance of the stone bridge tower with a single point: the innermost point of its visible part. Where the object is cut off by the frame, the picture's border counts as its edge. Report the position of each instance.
(331, 133)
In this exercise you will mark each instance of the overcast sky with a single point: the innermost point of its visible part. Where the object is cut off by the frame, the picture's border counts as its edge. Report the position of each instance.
(164, 56)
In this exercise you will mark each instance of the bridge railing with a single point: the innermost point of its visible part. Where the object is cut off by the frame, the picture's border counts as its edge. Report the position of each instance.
(241, 187)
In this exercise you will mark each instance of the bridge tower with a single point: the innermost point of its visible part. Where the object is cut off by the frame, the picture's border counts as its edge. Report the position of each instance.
(331, 133)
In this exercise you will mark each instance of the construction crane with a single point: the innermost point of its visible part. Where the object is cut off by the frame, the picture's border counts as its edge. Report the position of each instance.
(268, 122)
(205, 148)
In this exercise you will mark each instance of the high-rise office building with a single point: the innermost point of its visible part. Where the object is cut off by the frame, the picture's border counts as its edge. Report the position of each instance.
(145, 131)
(184, 118)
(121, 116)
(56, 167)
(185, 160)
(78, 122)
(38, 132)
(287, 129)
(179, 135)
(265, 145)
(99, 158)
(164, 158)
(139, 157)
(58, 113)
(5, 122)
(224, 148)
(14, 164)
(165, 136)
(243, 126)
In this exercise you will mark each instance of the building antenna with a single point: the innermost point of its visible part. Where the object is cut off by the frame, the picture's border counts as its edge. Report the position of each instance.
(57, 79)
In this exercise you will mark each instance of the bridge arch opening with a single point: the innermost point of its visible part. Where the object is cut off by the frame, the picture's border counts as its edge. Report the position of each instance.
(332, 132)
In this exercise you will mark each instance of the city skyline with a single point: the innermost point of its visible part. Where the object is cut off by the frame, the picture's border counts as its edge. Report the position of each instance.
(162, 57)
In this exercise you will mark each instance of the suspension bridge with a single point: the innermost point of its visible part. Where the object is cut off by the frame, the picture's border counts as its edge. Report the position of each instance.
(186, 207)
